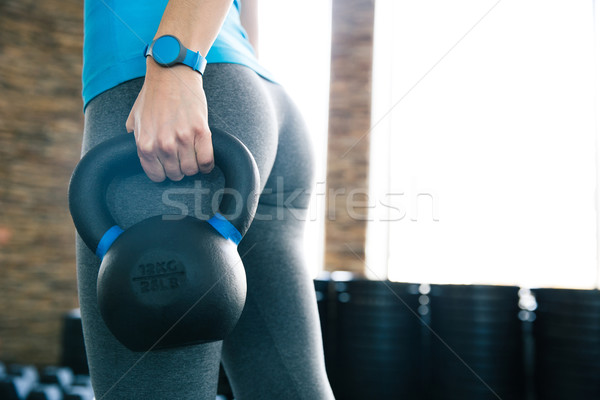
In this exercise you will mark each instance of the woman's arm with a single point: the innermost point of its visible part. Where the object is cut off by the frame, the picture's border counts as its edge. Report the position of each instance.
(170, 116)
(249, 18)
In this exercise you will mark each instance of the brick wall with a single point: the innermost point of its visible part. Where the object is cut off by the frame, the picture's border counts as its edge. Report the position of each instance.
(40, 137)
(349, 122)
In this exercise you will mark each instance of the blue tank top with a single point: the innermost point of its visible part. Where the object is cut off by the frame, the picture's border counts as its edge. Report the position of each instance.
(116, 33)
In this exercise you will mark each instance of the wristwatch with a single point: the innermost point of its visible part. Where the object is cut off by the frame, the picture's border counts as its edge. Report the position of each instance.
(168, 51)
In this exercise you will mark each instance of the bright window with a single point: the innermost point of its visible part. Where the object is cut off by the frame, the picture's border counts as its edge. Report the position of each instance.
(484, 144)
(294, 44)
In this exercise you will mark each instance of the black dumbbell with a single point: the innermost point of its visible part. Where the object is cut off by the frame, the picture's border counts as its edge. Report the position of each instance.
(45, 392)
(61, 376)
(17, 382)
(79, 393)
(82, 380)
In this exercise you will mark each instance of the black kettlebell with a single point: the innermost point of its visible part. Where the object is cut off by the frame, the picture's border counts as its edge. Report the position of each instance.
(163, 282)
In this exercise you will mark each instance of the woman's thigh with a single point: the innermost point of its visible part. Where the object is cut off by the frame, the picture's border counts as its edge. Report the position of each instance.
(238, 106)
(275, 351)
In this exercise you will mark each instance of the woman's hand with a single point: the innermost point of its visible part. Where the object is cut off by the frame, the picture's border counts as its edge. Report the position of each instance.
(170, 123)
(170, 117)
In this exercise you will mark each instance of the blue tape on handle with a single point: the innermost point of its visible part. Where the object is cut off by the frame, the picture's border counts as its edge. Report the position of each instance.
(225, 228)
(107, 240)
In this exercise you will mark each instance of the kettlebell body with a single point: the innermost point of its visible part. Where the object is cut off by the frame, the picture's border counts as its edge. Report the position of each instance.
(179, 282)
(166, 282)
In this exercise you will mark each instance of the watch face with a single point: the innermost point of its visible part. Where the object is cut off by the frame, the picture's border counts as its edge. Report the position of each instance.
(166, 50)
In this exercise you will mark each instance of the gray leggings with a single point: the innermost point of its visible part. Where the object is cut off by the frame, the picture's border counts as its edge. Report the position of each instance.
(275, 352)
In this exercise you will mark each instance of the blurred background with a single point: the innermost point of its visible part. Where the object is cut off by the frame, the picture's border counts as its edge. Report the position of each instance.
(456, 146)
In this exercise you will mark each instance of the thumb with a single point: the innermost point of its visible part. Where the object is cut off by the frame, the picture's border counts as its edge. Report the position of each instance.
(130, 124)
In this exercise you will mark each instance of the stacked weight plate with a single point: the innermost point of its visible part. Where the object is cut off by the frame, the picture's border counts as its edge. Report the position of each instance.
(73, 348)
(377, 339)
(322, 290)
(567, 337)
(476, 346)
(322, 293)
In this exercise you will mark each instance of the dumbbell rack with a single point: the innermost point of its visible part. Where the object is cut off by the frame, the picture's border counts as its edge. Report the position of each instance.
(384, 340)
(26, 382)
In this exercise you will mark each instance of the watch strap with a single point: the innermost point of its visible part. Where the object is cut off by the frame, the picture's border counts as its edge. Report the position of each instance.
(194, 60)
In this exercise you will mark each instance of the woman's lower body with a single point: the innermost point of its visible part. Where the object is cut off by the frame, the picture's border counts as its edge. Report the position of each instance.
(275, 351)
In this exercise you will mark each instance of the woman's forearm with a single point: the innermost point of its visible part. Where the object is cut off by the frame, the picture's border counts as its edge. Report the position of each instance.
(170, 115)
(195, 22)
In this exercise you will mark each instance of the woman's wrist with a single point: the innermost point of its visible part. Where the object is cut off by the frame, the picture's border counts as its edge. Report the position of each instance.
(155, 72)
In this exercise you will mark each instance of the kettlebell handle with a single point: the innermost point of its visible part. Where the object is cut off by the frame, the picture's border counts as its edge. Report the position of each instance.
(118, 156)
